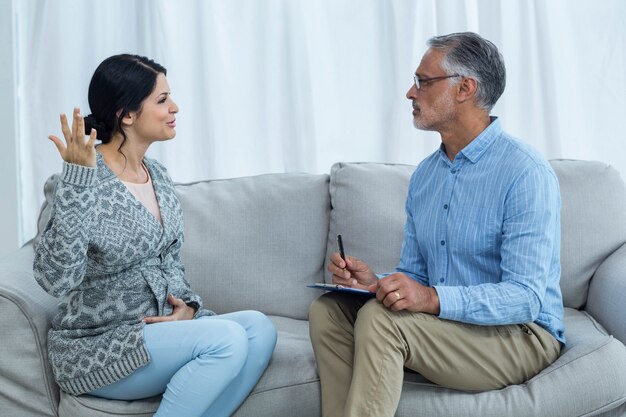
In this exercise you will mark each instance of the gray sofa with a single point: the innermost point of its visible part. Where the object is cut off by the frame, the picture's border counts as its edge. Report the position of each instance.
(256, 242)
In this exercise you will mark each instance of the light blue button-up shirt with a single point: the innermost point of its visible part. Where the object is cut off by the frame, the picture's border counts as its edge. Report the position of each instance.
(484, 231)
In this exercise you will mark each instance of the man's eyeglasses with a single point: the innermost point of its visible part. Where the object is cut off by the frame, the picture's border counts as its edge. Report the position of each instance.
(422, 82)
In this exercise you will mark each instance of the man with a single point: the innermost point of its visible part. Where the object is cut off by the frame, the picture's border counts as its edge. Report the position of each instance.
(475, 302)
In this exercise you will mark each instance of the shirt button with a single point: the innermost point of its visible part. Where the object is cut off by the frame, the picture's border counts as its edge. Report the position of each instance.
(443, 242)
(441, 279)
(445, 207)
(453, 171)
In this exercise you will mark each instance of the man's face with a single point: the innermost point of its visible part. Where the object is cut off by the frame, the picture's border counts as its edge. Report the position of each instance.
(433, 103)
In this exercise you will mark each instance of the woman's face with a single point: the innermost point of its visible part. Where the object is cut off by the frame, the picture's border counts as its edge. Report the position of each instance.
(157, 118)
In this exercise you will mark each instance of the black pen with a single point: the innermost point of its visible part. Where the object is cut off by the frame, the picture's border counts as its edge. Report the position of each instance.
(341, 252)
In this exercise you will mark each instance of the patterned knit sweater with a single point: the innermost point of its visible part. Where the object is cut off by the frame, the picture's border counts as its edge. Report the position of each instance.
(112, 263)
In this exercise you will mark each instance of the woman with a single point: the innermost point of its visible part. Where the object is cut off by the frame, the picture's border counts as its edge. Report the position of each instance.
(129, 326)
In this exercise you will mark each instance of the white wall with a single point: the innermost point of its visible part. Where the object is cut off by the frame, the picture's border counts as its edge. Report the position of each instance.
(9, 206)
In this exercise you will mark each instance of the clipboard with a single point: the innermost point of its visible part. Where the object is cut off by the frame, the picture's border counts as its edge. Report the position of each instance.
(341, 288)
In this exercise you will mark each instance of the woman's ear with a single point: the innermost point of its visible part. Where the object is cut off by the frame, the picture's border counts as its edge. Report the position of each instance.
(129, 119)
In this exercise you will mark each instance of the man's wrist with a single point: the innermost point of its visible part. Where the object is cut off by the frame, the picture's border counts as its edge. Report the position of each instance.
(435, 307)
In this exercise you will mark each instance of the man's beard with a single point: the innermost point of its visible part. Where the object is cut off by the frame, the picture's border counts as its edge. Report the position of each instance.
(438, 112)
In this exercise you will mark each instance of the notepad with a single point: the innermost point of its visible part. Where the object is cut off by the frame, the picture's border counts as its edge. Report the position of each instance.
(341, 288)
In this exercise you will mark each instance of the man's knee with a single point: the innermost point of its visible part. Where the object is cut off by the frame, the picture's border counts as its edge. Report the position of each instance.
(319, 309)
(330, 306)
(372, 310)
(332, 316)
(321, 317)
(374, 320)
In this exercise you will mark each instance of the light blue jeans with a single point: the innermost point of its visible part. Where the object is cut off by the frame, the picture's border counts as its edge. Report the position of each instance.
(204, 367)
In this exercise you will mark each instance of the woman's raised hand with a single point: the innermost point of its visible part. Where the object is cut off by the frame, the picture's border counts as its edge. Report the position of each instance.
(76, 149)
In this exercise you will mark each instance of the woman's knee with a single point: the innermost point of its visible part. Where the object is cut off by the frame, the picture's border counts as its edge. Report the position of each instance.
(262, 332)
(225, 340)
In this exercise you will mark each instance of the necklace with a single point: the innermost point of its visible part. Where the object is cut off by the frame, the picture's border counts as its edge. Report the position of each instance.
(119, 170)
(138, 178)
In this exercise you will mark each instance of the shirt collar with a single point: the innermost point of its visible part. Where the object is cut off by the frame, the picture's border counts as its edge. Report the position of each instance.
(481, 143)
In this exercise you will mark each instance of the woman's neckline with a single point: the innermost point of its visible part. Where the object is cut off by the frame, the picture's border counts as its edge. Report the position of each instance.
(143, 166)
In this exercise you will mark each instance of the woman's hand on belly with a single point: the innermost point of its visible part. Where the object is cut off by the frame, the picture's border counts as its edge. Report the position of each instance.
(181, 312)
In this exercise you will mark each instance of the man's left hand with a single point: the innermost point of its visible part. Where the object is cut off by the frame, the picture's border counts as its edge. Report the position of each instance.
(399, 292)
(181, 312)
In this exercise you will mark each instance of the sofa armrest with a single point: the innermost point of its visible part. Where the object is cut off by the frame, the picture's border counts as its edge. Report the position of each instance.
(607, 292)
(26, 311)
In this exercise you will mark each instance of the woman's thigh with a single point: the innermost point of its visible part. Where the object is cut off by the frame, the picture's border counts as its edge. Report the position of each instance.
(256, 324)
(171, 345)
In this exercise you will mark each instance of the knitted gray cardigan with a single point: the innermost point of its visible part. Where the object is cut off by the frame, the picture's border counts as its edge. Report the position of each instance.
(112, 263)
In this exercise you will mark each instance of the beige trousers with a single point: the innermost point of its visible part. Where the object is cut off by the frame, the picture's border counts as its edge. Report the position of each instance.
(361, 348)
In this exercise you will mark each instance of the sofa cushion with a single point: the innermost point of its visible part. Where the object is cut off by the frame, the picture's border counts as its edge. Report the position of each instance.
(265, 234)
(290, 380)
(593, 222)
(368, 211)
(26, 382)
(577, 384)
(86, 405)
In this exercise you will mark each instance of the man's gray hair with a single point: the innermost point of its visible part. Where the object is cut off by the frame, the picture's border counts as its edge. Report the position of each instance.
(471, 55)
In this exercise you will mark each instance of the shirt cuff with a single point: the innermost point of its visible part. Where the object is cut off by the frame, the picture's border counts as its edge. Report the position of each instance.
(78, 175)
(451, 303)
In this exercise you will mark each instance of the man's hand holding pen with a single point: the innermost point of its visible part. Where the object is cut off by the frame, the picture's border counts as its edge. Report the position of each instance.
(396, 291)
(351, 272)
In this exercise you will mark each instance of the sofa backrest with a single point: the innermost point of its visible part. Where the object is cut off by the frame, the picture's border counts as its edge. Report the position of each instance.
(593, 222)
(368, 210)
(251, 242)
(272, 234)
(256, 242)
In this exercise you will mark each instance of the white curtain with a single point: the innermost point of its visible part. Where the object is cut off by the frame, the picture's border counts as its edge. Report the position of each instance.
(286, 85)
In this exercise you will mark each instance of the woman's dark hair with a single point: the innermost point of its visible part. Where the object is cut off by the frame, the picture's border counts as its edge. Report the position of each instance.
(118, 86)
